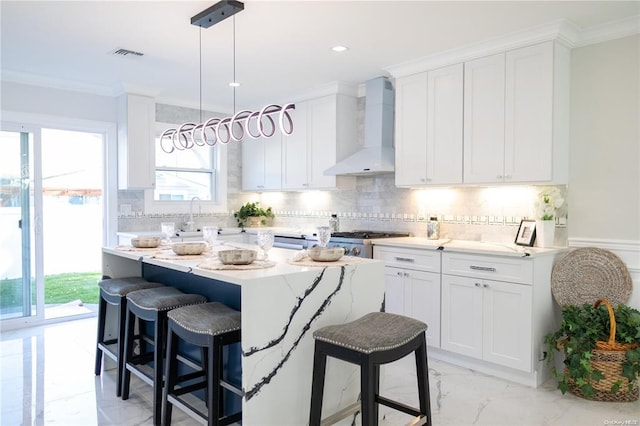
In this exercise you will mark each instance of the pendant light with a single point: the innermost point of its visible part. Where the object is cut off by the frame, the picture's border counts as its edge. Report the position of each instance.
(224, 130)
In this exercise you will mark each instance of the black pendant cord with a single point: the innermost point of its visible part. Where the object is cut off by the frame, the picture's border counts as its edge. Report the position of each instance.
(200, 47)
(234, 65)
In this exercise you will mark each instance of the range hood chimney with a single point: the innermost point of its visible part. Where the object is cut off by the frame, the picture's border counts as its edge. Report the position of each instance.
(377, 154)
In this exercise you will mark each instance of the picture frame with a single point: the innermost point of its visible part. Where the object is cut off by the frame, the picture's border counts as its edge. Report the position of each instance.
(526, 235)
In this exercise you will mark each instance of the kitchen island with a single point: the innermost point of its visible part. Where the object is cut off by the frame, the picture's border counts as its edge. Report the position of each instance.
(281, 306)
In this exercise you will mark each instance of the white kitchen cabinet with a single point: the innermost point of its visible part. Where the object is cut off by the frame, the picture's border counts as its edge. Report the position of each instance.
(516, 116)
(412, 286)
(411, 130)
(136, 142)
(429, 127)
(262, 163)
(324, 133)
(488, 320)
(484, 81)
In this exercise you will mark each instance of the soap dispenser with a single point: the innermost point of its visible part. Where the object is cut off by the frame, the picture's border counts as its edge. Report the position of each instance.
(433, 228)
(334, 223)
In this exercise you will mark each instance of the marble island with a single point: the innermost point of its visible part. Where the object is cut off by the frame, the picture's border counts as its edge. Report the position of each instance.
(281, 306)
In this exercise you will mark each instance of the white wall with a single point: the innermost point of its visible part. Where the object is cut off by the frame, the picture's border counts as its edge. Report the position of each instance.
(604, 180)
(39, 100)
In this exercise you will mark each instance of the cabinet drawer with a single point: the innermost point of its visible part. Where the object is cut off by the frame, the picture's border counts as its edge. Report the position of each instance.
(424, 260)
(488, 267)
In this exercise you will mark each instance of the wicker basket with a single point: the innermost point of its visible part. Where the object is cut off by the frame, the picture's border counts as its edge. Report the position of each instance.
(608, 358)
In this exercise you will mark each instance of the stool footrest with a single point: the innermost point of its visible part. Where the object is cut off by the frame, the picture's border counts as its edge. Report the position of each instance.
(231, 388)
(189, 388)
(398, 406)
(345, 412)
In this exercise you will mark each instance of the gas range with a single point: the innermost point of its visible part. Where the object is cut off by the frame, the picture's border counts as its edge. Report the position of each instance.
(358, 243)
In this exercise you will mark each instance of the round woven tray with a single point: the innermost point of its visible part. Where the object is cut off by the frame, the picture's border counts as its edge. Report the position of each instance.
(587, 274)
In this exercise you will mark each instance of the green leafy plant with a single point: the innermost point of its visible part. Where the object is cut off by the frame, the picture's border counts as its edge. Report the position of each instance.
(581, 328)
(253, 210)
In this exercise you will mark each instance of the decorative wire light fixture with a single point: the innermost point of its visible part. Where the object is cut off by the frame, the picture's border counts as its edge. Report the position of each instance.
(189, 135)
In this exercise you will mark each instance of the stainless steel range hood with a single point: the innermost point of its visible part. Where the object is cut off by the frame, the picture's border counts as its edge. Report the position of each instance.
(377, 155)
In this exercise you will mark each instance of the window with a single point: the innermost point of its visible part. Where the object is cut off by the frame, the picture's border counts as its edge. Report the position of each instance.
(182, 175)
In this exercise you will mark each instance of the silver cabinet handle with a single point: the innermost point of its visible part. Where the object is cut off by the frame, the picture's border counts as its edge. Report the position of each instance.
(482, 268)
(477, 284)
(485, 285)
(399, 274)
(405, 259)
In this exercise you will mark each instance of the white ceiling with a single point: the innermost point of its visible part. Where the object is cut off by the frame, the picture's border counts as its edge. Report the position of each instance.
(282, 47)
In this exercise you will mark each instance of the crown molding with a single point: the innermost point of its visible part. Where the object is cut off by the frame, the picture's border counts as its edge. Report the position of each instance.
(562, 31)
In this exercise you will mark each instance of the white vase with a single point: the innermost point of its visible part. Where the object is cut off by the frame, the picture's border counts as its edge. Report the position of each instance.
(545, 232)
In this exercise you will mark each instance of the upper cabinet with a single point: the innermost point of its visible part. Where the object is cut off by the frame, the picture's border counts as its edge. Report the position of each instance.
(429, 128)
(136, 142)
(502, 118)
(262, 163)
(324, 133)
(516, 121)
(484, 120)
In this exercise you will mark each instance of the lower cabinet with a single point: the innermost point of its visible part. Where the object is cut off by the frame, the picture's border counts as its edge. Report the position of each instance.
(412, 280)
(489, 312)
(415, 294)
(488, 320)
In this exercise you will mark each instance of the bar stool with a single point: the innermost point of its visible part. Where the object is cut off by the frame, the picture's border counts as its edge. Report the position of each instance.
(151, 305)
(374, 339)
(210, 326)
(114, 291)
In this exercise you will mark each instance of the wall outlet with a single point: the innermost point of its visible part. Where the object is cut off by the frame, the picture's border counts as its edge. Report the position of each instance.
(125, 208)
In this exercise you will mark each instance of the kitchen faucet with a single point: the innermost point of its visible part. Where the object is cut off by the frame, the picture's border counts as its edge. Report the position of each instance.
(191, 223)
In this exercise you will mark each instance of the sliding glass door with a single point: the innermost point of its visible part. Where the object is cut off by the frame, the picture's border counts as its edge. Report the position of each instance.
(17, 281)
(51, 223)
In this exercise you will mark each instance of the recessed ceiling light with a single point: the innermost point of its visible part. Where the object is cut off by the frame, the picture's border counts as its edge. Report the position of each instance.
(339, 48)
(234, 84)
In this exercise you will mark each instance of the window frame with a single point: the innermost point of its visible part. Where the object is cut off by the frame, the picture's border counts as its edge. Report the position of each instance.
(218, 205)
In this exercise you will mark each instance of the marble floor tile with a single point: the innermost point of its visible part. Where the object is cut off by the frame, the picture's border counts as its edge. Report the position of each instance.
(46, 377)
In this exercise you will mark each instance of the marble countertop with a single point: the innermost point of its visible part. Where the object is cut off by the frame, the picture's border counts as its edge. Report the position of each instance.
(281, 257)
(474, 247)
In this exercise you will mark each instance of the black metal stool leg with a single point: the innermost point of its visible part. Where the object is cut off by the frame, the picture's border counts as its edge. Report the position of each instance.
(422, 369)
(159, 330)
(367, 385)
(128, 353)
(317, 387)
(171, 374)
(102, 317)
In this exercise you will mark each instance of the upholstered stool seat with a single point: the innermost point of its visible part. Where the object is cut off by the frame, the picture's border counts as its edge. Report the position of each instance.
(210, 326)
(370, 341)
(152, 306)
(113, 291)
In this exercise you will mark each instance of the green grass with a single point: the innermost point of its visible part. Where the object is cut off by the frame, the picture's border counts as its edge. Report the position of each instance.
(60, 288)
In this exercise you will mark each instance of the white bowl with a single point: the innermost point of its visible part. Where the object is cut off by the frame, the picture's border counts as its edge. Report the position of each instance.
(193, 247)
(325, 254)
(146, 242)
(237, 257)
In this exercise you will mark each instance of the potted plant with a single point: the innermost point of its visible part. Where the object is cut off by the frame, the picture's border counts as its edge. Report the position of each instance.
(252, 215)
(592, 367)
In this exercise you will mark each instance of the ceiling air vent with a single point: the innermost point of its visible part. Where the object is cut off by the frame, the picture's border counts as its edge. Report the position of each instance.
(126, 52)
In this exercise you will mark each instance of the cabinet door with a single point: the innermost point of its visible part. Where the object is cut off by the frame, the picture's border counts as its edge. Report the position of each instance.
(529, 113)
(507, 324)
(444, 125)
(423, 301)
(462, 315)
(273, 162)
(136, 142)
(484, 81)
(322, 131)
(253, 164)
(411, 130)
(394, 296)
(294, 151)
